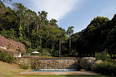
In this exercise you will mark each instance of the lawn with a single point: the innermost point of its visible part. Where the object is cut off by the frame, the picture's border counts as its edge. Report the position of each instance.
(67, 76)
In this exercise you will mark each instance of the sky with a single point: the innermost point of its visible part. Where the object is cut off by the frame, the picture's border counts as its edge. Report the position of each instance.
(77, 13)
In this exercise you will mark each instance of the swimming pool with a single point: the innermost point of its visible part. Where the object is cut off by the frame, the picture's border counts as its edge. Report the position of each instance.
(54, 70)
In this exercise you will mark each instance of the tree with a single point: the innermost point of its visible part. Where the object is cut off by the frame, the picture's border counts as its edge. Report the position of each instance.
(70, 32)
(20, 9)
(42, 18)
(53, 22)
(2, 9)
(30, 17)
(10, 20)
(61, 37)
(110, 42)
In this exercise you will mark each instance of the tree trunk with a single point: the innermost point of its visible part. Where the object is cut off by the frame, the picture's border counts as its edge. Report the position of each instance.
(59, 47)
(20, 24)
(69, 44)
(53, 46)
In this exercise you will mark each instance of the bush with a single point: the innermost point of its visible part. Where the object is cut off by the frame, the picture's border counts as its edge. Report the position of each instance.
(104, 56)
(46, 52)
(55, 53)
(5, 57)
(107, 68)
(24, 66)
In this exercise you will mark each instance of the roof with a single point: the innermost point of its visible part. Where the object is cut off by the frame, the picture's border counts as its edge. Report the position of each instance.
(35, 52)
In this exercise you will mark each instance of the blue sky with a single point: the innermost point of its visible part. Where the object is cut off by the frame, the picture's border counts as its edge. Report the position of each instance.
(77, 13)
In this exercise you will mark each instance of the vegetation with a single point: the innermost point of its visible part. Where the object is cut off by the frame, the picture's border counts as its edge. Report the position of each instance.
(67, 76)
(70, 32)
(5, 57)
(24, 66)
(104, 56)
(34, 30)
(107, 68)
(99, 36)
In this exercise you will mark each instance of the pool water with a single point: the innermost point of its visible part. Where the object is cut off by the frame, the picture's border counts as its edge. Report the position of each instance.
(54, 70)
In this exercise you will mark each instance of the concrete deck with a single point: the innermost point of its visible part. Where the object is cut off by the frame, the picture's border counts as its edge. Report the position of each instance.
(29, 72)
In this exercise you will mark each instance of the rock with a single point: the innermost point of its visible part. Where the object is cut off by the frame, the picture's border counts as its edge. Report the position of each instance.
(86, 62)
(95, 63)
(83, 70)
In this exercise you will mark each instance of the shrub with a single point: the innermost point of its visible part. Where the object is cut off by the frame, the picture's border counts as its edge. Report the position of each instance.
(55, 53)
(46, 52)
(24, 66)
(26, 43)
(29, 50)
(6, 57)
(104, 56)
(107, 68)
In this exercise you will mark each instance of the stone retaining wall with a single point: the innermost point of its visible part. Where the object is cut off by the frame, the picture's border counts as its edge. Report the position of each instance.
(50, 63)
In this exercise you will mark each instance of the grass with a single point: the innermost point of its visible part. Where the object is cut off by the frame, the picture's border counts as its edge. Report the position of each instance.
(9, 70)
(12, 70)
(67, 76)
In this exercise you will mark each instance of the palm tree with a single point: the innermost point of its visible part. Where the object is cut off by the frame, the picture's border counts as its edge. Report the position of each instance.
(69, 33)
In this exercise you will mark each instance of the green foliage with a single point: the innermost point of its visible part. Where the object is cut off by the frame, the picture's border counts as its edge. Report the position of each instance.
(4, 33)
(98, 36)
(55, 53)
(6, 57)
(30, 28)
(104, 56)
(29, 50)
(70, 30)
(110, 42)
(9, 34)
(24, 66)
(26, 43)
(107, 68)
(45, 52)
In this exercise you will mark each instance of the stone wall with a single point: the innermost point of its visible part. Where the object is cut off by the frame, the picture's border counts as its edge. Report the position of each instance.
(50, 63)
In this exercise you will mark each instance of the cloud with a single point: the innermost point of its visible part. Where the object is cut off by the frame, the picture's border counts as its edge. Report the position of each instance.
(55, 8)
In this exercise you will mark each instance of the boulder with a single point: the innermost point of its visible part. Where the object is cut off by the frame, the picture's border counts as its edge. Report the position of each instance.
(83, 70)
(95, 63)
(86, 62)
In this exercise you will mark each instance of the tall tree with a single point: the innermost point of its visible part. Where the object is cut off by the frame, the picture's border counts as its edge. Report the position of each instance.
(42, 18)
(69, 33)
(20, 9)
(29, 19)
